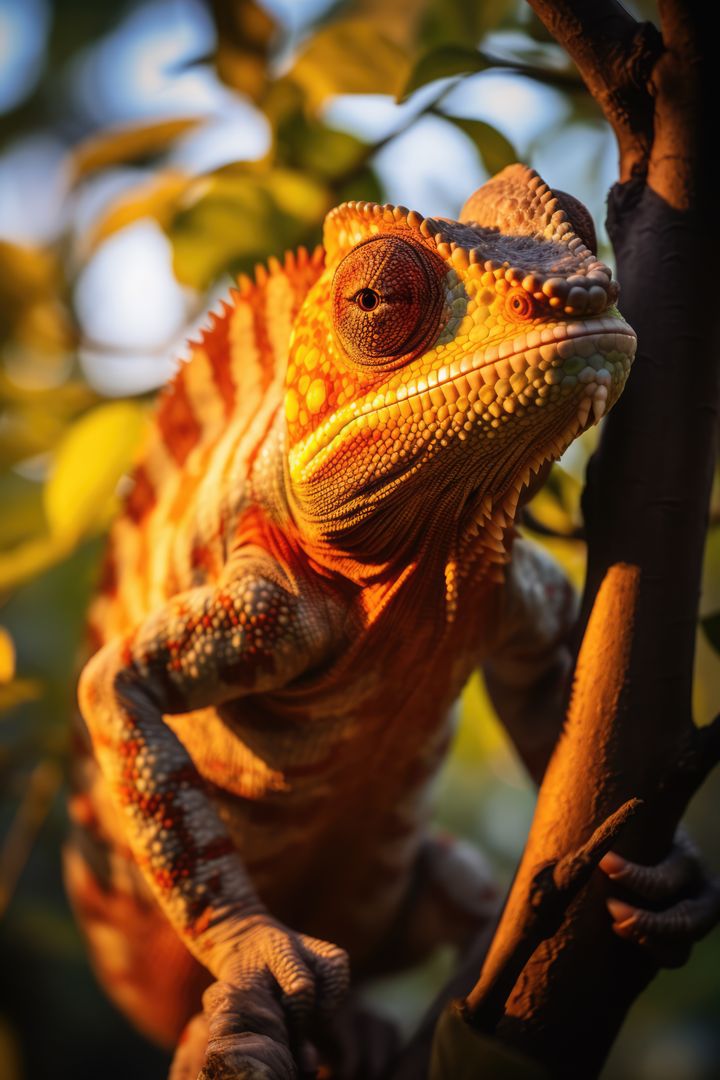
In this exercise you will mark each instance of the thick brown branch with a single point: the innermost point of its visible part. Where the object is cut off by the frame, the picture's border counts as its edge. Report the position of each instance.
(552, 889)
(645, 506)
(679, 120)
(630, 727)
(615, 56)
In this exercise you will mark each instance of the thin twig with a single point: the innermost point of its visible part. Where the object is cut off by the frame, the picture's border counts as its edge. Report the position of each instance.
(530, 521)
(43, 783)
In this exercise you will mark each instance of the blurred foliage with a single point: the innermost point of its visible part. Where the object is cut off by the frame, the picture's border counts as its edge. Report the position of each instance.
(125, 154)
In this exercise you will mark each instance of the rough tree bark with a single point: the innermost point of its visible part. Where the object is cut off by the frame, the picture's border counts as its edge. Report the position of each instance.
(560, 1002)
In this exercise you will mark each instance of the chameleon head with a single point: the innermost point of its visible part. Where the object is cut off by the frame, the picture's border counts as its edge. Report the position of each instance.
(435, 365)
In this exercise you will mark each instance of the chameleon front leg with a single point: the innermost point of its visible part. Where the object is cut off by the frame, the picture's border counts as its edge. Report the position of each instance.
(252, 632)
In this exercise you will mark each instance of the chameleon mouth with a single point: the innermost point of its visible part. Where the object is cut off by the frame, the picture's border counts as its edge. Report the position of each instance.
(577, 356)
(489, 384)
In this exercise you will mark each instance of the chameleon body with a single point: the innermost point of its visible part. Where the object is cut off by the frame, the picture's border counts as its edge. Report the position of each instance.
(316, 552)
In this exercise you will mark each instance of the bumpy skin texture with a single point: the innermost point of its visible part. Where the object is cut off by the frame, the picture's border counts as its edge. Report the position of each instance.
(316, 553)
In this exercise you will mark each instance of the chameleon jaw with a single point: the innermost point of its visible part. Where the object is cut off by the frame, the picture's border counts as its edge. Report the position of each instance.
(490, 521)
(484, 387)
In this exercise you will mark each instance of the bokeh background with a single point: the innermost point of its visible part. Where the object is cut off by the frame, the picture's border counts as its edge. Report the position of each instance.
(149, 151)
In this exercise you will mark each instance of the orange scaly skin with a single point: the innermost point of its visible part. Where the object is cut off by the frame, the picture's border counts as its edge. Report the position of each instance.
(314, 557)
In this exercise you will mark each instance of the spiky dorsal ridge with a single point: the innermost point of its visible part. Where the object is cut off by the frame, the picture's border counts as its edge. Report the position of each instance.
(237, 354)
(516, 202)
(297, 270)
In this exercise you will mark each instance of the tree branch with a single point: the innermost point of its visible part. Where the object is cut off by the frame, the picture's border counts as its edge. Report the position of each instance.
(679, 113)
(615, 56)
(553, 887)
(629, 729)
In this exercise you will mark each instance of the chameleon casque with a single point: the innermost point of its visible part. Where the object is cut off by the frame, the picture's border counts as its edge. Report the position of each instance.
(316, 552)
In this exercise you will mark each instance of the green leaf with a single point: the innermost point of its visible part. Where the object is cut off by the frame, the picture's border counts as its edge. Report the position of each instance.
(495, 150)
(18, 692)
(441, 63)
(305, 143)
(96, 451)
(239, 218)
(463, 1052)
(459, 22)
(349, 57)
(33, 424)
(30, 559)
(711, 628)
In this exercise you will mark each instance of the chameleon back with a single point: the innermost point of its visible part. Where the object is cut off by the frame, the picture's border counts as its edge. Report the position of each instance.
(209, 423)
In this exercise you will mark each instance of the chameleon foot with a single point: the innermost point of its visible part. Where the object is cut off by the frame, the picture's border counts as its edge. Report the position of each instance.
(273, 983)
(687, 897)
(246, 1037)
(306, 974)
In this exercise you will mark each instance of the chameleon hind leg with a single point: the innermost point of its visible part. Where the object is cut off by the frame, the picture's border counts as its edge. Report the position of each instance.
(450, 899)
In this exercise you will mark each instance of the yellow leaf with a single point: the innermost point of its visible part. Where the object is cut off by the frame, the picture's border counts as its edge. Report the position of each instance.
(350, 57)
(31, 303)
(120, 144)
(90, 460)
(31, 558)
(401, 20)
(246, 33)
(25, 272)
(298, 195)
(156, 198)
(17, 693)
(7, 656)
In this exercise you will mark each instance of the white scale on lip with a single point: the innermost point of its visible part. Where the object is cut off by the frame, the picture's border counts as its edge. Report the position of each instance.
(596, 394)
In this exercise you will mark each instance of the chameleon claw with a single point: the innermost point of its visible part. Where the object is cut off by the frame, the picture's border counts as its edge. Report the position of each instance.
(621, 912)
(612, 864)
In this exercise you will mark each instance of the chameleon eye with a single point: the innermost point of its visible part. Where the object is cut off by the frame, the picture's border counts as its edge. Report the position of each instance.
(387, 300)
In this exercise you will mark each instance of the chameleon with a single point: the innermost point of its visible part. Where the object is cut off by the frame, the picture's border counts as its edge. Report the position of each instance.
(316, 551)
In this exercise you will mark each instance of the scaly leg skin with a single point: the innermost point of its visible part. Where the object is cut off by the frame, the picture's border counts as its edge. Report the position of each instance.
(252, 632)
(356, 1044)
(687, 896)
(451, 898)
(526, 671)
